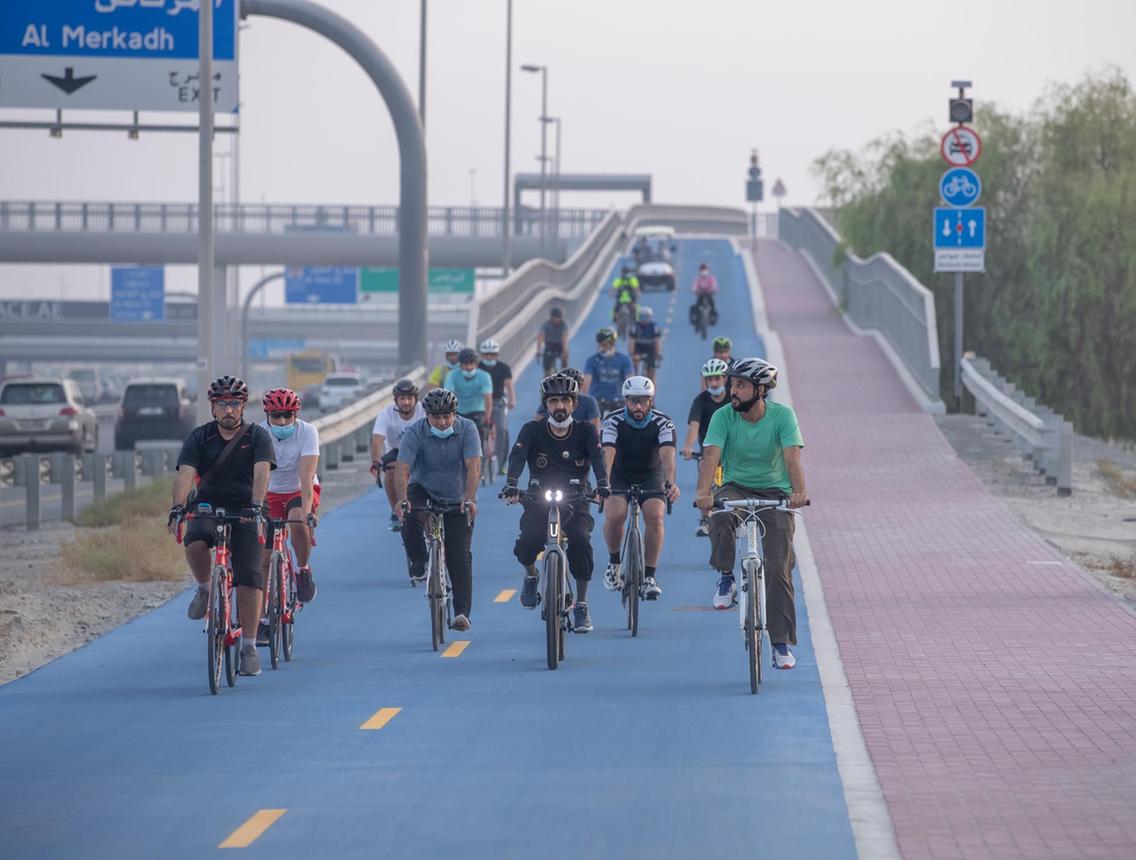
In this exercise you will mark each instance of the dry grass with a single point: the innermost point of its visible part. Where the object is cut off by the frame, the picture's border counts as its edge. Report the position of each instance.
(149, 500)
(139, 550)
(1125, 568)
(1120, 482)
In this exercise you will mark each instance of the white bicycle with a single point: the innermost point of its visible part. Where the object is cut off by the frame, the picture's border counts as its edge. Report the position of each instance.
(751, 586)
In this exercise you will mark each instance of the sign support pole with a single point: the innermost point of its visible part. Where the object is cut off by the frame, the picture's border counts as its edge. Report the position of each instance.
(206, 300)
(958, 340)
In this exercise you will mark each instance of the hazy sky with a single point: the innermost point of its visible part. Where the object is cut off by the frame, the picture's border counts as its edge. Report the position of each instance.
(681, 89)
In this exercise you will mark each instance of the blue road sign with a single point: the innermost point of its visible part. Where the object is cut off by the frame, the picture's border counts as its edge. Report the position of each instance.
(321, 285)
(960, 228)
(273, 347)
(960, 187)
(137, 293)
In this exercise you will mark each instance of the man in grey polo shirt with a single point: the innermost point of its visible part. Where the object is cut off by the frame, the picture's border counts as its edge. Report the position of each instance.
(439, 459)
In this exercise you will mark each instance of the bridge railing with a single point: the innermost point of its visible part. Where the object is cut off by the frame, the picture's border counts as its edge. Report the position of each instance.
(273, 218)
(1041, 435)
(877, 294)
(514, 311)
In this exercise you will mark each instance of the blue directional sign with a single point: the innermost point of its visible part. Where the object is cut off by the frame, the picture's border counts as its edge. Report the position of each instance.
(960, 228)
(137, 293)
(273, 347)
(321, 285)
(113, 54)
(960, 186)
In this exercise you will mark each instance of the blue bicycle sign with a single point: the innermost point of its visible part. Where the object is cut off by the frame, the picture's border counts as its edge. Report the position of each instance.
(960, 187)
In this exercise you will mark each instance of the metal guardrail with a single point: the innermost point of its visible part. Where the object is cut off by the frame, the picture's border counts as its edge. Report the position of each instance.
(271, 218)
(877, 293)
(1041, 435)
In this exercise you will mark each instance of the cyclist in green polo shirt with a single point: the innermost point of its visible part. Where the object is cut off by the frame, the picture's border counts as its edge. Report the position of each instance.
(758, 443)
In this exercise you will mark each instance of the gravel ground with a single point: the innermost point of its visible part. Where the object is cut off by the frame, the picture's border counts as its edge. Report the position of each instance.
(42, 617)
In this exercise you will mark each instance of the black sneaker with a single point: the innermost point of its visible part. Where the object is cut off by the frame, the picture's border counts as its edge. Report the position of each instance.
(581, 620)
(262, 632)
(395, 524)
(530, 596)
(305, 585)
(417, 572)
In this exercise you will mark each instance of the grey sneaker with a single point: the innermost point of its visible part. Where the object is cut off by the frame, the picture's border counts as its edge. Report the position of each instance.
(581, 620)
(530, 596)
(198, 605)
(250, 663)
(461, 624)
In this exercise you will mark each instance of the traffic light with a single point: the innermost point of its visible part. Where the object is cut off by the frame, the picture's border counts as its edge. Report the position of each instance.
(962, 110)
(755, 188)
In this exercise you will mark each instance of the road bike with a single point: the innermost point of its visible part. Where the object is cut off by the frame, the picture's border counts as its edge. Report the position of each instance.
(702, 318)
(553, 586)
(222, 626)
(751, 587)
(623, 317)
(500, 425)
(439, 589)
(633, 563)
(715, 485)
(283, 606)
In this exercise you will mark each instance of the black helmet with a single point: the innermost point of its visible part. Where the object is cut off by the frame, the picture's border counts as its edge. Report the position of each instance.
(627, 270)
(556, 312)
(573, 373)
(755, 370)
(440, 401)
(606, 335)
(559, 385)
(228, 388)
(466, 356)
(405, 387)
(722, 343)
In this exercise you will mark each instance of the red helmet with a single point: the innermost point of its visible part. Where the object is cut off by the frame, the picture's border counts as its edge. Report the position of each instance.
(281, 400)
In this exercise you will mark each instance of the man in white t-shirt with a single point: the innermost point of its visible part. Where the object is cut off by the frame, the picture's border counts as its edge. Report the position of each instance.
(390, 424)
(293, 488)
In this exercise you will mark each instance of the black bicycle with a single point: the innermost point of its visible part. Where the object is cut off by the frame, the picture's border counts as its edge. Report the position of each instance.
(554, 588)
(439, 589)
(633, 558)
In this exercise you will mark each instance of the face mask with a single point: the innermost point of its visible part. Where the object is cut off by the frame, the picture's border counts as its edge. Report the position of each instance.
(607, 353)
(560, 423)
(442, 434)
(282, 431)
(489, 363)
(717, 390)
(451, 364)
(469, 374)
(638, 425)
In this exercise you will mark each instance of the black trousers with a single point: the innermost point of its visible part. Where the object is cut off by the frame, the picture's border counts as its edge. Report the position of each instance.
(459, 556)
(577, 527)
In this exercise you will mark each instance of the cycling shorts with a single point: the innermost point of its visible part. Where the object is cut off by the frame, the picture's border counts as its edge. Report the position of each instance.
(279, 504)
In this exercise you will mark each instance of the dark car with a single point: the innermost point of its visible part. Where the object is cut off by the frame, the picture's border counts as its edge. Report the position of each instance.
(153, 409)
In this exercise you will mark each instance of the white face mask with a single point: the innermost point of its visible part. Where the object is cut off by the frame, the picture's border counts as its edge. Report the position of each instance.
(560, 425)
(717, 390)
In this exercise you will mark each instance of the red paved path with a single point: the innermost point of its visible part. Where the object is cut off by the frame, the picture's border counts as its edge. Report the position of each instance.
(997, 697)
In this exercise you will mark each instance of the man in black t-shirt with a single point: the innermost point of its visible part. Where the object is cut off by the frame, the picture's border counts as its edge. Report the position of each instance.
(709, 401)
(646, 343)
(238, 486)
(504, 398)
(552, 341)
(557, 451)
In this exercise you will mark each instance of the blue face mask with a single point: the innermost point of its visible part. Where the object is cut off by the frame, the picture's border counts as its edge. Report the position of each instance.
(451, 364)
(282, 431)
(638, 425)
(442, 434)
(489, 362)
(469, 374)
(717, 390)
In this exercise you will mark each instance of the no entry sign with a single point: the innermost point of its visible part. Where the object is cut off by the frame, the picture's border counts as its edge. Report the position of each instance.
(961, 147)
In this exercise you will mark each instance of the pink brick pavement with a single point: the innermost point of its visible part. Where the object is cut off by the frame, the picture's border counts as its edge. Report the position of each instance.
(997, 697)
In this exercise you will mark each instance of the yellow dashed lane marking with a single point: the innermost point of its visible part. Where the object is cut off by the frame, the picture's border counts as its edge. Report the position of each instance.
(252, 829)
(380, 718)
(505, 596)
(456, 648)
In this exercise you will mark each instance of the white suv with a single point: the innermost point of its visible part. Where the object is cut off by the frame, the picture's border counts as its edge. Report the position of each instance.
(339, 389)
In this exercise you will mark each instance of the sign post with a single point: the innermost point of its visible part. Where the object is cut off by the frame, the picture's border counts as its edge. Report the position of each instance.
(137, 294)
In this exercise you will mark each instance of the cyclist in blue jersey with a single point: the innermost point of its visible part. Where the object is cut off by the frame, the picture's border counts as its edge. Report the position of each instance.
(605, 371)
(646, 338)
(474, 389)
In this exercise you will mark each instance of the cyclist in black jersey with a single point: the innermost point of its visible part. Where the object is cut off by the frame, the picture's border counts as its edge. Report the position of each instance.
(709, 401)
(639, 448)
(646, 338)
(557, 449)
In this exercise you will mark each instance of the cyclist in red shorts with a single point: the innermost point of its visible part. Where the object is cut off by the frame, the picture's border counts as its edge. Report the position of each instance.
(293, 489)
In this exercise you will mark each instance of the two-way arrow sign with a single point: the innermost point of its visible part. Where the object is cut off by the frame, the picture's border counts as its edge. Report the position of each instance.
(69, 83)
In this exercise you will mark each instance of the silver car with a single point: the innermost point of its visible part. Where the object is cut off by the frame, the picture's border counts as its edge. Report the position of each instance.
(45, 414)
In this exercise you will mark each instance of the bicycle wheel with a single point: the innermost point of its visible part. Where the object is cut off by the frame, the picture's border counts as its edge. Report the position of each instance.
(288, 627)
(552, 600)
(232, 652)
(275, 607)
(633, 579)
(436, 598)
(752, 629)
(215, 634)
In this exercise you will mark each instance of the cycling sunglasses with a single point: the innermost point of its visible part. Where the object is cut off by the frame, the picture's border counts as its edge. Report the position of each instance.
(228, 404)
(281, 414)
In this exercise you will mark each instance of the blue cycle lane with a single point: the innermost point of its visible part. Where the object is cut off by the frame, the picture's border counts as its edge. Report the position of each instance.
(651, 747)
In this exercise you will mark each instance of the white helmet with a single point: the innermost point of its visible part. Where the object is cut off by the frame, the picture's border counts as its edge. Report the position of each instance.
(646, 311)
(715, 367)
(638, 386)
(489, 345)
(453, 346)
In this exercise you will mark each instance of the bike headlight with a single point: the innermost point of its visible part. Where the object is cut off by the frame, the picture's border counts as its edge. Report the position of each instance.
(548, 495)
(559, 495)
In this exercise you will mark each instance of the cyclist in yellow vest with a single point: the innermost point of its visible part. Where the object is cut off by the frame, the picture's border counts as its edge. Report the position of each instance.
(625, 288)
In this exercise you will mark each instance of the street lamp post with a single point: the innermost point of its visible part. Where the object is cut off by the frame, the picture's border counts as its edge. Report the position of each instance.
(543, 146)
(506, 226)
(556, 181)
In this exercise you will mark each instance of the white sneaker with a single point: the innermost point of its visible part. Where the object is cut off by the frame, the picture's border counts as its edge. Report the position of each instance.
(782, 657)
(612, 578)
(726, 594)
(703, 529)
(651, 590)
